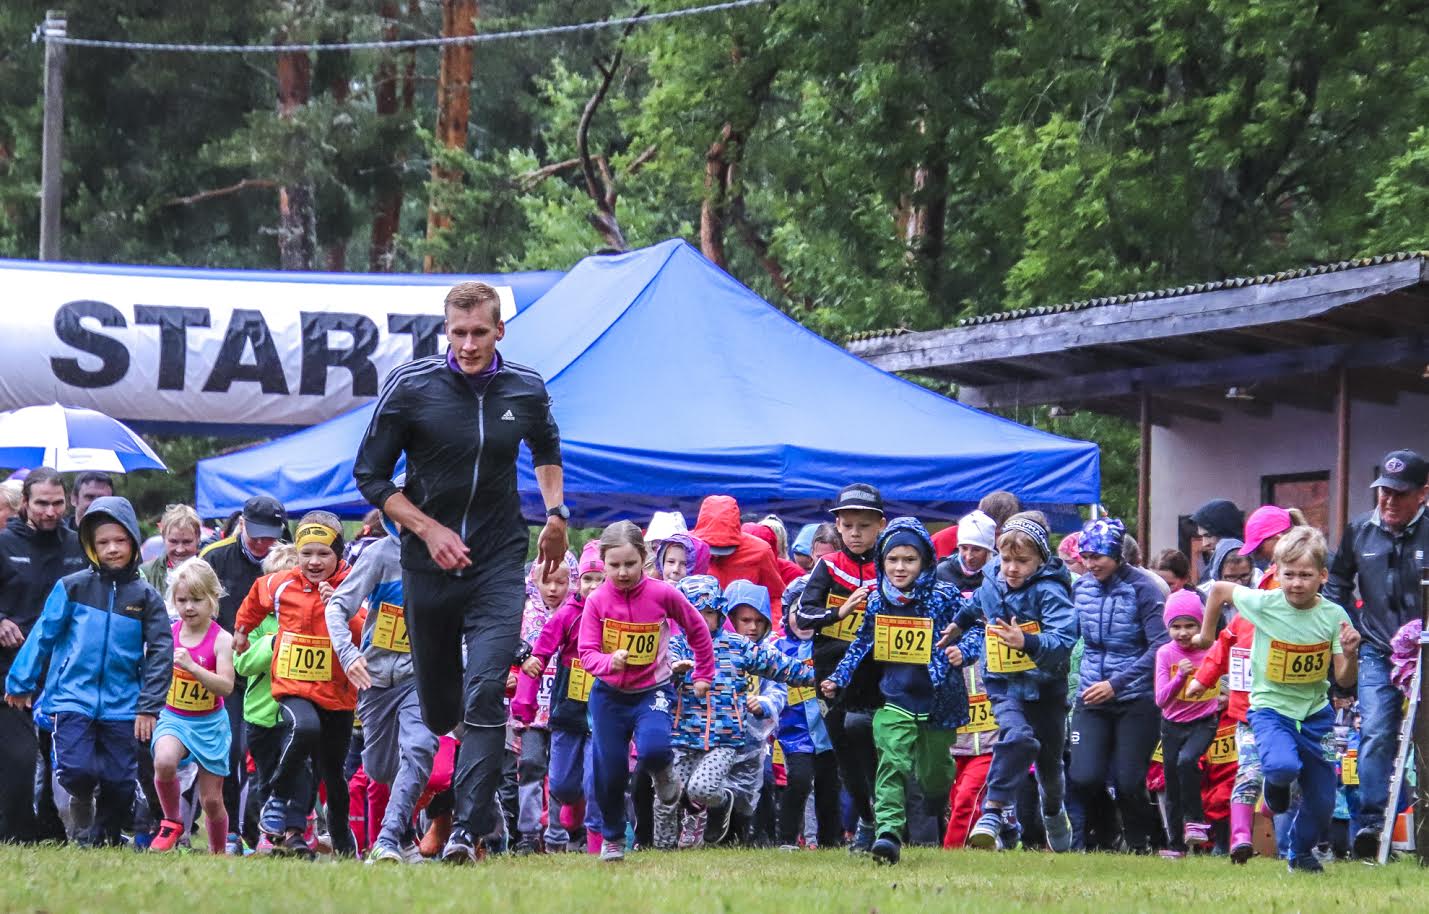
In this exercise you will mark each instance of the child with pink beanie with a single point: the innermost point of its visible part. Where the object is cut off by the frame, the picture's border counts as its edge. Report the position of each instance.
(1188, 724)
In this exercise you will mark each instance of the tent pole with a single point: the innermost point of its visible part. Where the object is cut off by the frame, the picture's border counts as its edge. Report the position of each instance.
(1342, 451)
(1143, 478)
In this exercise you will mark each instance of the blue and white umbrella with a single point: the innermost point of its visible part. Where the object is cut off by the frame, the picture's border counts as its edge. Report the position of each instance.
(71, 439)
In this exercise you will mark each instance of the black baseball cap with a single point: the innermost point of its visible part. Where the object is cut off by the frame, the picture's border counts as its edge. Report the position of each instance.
(264, 517)
(858, 497)
(1402, 471)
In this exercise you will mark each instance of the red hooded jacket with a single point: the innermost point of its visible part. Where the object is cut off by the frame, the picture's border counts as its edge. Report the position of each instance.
(752, 559)
(789, 571)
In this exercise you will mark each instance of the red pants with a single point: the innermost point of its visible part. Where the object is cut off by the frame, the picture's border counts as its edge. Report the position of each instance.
(367, 800)
(965, 799)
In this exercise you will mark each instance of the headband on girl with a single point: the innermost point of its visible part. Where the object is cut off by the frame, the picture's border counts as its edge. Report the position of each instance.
(1035, 531)
(321, 534)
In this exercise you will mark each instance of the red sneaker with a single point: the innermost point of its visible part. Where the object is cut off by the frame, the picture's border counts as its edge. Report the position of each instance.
(167, 836)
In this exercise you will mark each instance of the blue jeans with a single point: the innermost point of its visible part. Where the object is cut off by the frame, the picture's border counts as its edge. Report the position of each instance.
(1028, 732)
(1293, 751)
(1382, 710)
(617, 718)
(568, 750)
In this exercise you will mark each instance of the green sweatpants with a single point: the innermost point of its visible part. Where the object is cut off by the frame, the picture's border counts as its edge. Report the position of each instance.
(906, 744)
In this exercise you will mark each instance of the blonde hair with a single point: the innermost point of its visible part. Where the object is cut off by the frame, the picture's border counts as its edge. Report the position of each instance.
(622, 533)
(280, 558)
(781, 534)
(179, 514)
(1303, 544)
(1018, 542)
(202, 583)
(12, 491)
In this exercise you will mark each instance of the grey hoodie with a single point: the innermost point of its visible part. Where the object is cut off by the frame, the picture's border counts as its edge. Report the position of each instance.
(376, 579)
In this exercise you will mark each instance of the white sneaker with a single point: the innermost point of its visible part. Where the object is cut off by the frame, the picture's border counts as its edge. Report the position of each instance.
(612, 852)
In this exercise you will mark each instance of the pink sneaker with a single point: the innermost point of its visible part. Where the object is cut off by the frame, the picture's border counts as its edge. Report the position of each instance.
(1197, 833)
(1172, 854)
(167, 836)
(265, 845)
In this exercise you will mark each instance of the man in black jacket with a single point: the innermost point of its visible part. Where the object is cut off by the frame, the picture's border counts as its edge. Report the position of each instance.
(460, 418)
(36, 550)
(1382, 553)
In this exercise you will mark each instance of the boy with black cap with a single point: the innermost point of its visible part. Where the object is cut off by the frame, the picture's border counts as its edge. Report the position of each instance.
(832, 610)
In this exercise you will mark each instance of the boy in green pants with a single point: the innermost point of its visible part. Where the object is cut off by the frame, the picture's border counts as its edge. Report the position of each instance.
(925, 698)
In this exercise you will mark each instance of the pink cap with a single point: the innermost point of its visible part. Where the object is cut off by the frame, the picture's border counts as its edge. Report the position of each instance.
(1184, 603)
(1263, 523)
(590, 558)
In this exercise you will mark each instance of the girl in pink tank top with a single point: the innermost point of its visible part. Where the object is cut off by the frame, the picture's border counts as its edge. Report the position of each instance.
(193, 724)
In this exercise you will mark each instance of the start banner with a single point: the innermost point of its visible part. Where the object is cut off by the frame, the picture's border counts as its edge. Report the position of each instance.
(215, 348)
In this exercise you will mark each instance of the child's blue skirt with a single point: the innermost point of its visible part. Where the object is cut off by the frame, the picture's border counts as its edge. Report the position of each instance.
(206, 737)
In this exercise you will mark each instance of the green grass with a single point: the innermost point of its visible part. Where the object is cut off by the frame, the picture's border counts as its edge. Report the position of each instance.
(59, 879)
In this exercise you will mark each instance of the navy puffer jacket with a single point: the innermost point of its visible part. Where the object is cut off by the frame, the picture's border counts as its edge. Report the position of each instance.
(1121, 628)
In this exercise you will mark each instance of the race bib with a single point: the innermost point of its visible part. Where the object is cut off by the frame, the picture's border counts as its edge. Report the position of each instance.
(1156, 754)
(1003, 659)
(800, 694)
(1239, 669)
(778, 753)
(389, 631)
(1211, 694)
(188, 694)
(1222, 749)
(846, 629)
(1350, 768)
(640, 639)
(578, 686)
(980, 719)
(304, 658)
(543, 692)
(900, 639)
(1297, 663)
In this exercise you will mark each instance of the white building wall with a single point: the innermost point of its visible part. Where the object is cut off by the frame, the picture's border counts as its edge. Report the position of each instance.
(1193, 462)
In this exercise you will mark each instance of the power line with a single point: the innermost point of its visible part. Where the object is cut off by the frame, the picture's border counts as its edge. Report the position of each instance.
(483, 38)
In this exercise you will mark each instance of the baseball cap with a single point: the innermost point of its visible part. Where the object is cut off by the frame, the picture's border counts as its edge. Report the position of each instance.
(858, 497)
(264, 517)
(1263, 523)
(1402, 471)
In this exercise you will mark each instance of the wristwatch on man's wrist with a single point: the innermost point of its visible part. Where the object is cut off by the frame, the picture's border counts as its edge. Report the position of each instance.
(560, 511)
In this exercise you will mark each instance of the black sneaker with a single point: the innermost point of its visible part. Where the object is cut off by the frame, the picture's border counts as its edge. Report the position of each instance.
(460, 847)
(295, 845)
(1277, 798)
(887, 849)
(862, 838)
(1366, 846)
(526, 846)
(717, 824)
(1305, 864)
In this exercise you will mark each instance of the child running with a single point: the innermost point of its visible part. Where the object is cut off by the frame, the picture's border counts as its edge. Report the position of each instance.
(926, 700)
(193, 723)
(1300, 638)
(624, 643)
(107, 641)
(397, 748)
(315, 697)
(1031, 628)
(1188, 723)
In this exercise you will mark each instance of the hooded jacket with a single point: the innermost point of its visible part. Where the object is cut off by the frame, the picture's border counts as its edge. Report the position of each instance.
(1386, 567)
(801, 723)
(31, 561)
(298, 606)
(1122, 627)
(1046, 599)
(376, 581)
(558, 640)
(648, 601)
(718, 720)
(751, 560)
(788, 570)
(107, 630)
(929, 599)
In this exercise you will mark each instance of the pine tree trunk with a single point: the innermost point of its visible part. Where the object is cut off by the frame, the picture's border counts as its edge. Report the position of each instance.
(387, 202)
(453, 108)
(297, 215)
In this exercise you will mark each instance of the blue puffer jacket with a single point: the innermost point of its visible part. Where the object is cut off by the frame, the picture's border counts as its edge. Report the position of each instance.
(1046, 599)
(108, 634)
(1122, 627)
(933, 599)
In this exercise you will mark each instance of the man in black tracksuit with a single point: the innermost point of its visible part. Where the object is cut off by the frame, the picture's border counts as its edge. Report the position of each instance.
(460, 418)
(36, 549)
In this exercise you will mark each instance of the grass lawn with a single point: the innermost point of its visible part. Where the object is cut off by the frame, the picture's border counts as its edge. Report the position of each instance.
(119, 881)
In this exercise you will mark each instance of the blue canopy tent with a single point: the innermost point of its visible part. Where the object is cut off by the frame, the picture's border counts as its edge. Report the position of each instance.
(671, 381)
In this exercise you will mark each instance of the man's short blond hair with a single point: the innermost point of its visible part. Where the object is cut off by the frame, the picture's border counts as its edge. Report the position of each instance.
(468, 296)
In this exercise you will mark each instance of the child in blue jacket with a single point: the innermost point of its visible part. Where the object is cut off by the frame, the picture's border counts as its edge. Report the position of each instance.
(925, 698)
(1030, 631)
(809, 762)
(107, 637)
(710, 732)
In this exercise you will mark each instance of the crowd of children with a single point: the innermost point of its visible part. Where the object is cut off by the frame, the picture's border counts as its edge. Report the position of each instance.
(1003, 692)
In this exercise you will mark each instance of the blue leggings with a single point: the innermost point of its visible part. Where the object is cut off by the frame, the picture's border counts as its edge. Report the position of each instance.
(1305, 751)
(617, 718)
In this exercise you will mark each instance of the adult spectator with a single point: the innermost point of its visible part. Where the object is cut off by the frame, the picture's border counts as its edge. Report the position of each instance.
(238, 562)
(180, 529)
(460, 418)
(1380, 555)
(36, 550)
(735, 554)
(87, 487)
(1216, 520)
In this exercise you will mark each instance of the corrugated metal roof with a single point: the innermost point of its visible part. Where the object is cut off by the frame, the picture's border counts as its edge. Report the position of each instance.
(1172, 292)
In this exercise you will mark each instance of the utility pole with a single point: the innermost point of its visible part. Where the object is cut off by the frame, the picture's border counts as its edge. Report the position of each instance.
(52, 160)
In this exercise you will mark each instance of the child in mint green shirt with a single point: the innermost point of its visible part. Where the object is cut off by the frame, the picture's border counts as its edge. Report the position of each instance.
(1300, 640)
